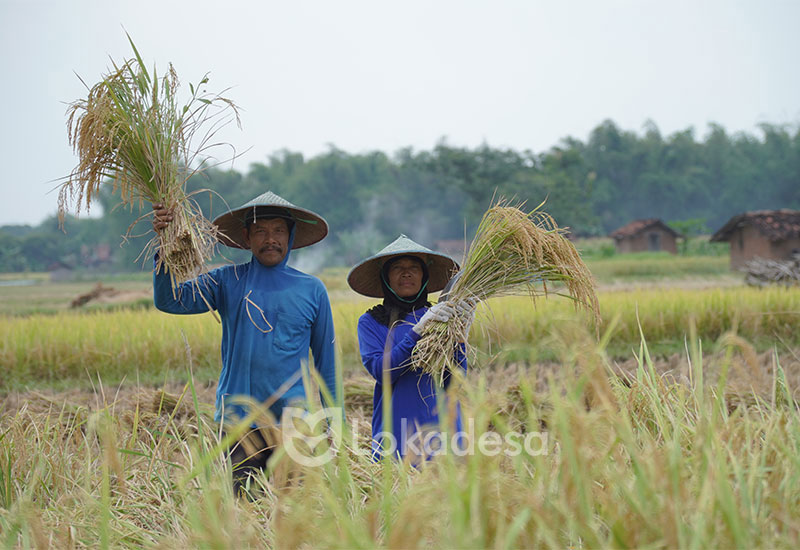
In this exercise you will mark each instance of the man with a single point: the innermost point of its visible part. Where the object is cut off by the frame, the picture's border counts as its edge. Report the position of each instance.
(271, 315)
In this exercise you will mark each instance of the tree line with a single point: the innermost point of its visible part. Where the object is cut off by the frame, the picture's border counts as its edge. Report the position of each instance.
(592, 187)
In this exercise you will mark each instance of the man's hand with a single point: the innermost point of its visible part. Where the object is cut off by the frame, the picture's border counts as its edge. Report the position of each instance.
(440, 312)
(161, 217)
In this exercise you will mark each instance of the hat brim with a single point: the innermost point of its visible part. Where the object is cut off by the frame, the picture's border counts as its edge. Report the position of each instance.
(310, 228)
(365, 278)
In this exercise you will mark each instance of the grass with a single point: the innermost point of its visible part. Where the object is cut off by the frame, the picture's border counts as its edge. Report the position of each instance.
(659, 266)
(33, 277)
(43, 297)
(56, 350)
(763, 316)
(641, 451)
(624, 270)
(641, 462)
(65, 348)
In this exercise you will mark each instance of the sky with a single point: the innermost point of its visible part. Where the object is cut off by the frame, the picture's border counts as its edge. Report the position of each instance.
(378, 75)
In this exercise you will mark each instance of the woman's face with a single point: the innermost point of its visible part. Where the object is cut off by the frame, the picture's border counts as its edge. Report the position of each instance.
(405, 277)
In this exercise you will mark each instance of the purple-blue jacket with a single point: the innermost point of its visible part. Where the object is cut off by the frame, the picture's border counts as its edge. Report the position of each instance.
(413, 392)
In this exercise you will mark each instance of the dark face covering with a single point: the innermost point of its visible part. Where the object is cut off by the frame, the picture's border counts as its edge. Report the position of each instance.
(395, 308)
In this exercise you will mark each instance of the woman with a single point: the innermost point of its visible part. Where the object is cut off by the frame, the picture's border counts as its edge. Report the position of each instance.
(403, 274)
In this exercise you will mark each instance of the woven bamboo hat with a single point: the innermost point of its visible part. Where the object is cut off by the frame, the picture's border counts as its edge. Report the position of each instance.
(309, 227)
(365, 277)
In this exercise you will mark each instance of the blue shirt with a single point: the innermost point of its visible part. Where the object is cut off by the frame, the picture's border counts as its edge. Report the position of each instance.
(270, 317)
(413, 392)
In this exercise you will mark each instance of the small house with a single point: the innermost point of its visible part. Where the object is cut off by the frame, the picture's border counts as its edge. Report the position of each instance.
(766, 234)
(59, 271)
(651, 235)
(97, 256)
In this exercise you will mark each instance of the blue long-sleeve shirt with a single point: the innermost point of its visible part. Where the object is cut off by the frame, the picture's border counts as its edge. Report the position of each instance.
(413, 392)
(270, 317)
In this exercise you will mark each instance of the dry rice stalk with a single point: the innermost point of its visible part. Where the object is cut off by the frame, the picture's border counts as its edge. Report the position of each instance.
(179, 406)
(132, 132)
(513, 253)
(358, 394)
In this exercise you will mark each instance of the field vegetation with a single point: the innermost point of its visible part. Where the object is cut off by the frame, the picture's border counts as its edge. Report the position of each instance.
(636, 461)
(678, 427)
(141, 343)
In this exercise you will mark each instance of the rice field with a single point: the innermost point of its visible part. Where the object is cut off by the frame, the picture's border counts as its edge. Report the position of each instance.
(679, 427)
(145, 344)
(630, 462)
(657, 266)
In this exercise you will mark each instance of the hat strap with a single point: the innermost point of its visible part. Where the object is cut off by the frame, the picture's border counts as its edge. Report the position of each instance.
(405, 300)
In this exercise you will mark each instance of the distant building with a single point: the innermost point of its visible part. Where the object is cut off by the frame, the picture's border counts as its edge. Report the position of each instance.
(59, 271)
(97, 256)
(650, 235)
(767, 234)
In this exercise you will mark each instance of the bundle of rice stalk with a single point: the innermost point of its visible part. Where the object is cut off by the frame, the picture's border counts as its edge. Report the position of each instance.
(513, 253)
(134, 133)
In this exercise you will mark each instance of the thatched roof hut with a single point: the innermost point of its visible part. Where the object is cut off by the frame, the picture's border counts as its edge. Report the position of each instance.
(651, 235)
(766, 234)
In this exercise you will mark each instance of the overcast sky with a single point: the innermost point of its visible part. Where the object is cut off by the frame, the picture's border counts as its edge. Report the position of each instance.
(378, 75)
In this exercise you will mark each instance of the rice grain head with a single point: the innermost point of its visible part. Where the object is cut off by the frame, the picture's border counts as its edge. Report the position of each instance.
(131, 132)
(514, 252)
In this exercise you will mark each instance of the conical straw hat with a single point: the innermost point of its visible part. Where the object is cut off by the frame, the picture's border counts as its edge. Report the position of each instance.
(309, 227)
(365, 277)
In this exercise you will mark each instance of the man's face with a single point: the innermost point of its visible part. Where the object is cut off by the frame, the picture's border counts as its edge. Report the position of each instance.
(268, 240)
(405, 277)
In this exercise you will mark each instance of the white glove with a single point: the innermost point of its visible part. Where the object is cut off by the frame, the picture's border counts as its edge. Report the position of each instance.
(440, 312)
(465, 310)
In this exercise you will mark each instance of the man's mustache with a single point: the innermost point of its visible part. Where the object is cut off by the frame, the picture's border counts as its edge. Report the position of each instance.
(268, 248)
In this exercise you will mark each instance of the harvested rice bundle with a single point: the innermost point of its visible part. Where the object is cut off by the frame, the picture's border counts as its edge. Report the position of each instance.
(133, 132)
(513, 253)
